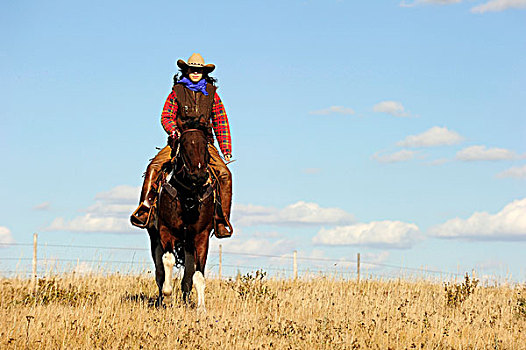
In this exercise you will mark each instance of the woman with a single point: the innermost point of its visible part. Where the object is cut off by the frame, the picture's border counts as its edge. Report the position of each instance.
(193, 95)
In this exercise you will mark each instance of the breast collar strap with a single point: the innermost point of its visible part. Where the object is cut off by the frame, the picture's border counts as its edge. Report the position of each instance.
(180, 184)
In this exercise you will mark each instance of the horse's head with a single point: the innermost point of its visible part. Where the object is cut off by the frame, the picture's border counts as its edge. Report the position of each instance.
(193, 157)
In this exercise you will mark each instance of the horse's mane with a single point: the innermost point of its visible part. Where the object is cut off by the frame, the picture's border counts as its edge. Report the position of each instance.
(195, 123)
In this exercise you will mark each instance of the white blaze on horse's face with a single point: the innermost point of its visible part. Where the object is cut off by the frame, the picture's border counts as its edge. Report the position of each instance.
(199, 165)
(168, 262)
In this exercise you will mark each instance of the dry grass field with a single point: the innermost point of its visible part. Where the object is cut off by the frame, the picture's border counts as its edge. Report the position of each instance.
(115, 312)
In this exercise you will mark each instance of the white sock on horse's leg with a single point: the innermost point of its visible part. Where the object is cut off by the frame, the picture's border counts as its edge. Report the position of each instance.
(168, 262)
(199, 283)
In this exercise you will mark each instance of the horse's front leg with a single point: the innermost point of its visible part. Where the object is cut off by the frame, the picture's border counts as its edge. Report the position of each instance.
(189, 269)
(164, 262)
(157, 254)
(201, 253)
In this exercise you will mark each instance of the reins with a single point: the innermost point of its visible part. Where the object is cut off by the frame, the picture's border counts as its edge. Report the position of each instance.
(180, 154)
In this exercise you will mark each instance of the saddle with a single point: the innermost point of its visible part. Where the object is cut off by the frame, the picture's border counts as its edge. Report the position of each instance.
(162, 184)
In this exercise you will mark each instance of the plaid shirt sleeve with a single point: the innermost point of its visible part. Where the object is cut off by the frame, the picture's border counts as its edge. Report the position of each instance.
(169, 114)
(221, 126)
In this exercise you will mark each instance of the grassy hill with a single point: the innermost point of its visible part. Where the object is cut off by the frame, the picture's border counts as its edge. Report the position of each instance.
(115, 312)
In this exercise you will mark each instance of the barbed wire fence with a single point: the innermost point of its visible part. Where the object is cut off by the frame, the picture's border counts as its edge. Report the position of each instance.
(220, 264)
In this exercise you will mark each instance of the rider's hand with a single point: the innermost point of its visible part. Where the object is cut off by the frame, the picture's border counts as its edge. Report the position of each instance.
(227, 157)
(172, 139)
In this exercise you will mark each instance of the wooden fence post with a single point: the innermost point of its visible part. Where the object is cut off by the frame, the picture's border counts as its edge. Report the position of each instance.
(220, 261)
(295, 265)
(358, 268)
(34, 274)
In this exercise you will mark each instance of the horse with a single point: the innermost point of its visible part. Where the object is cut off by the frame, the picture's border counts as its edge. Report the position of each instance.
(185, 217)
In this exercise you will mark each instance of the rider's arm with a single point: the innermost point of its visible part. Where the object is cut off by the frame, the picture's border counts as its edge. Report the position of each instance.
(168, 115)
(221, 126)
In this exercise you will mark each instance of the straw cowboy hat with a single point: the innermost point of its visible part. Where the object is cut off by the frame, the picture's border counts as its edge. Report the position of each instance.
(196, 60)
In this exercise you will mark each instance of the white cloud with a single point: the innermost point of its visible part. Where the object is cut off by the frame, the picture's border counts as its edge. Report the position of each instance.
(300, 213)
(439, 161)
(334, 110)
(92, 223)
(256, 246)
(391, 107)
(254, 212)
(313, 254)
(109, 213)
(120, 194)
(515, 172)
(104, 209)
(251, 251)
(400, 156)
(490, 6)
(395, 234)
(480, 152)
(5, 236)
(436, 136)
(370, 261)
(267, 234)
(424, 2)
(498, 5)
(508, 224)
(42, 206)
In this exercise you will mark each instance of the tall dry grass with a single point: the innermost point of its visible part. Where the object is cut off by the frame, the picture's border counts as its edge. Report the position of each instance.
(115, 312)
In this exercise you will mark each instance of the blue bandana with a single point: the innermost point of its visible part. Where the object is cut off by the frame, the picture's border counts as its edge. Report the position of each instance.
(199, 86)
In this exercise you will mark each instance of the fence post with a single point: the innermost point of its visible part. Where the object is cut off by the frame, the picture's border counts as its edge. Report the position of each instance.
(295, 265)
(358, 268)
(220, 261)
(34, 275)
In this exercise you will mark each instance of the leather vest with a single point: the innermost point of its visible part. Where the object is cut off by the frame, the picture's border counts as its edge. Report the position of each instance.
(191, 105)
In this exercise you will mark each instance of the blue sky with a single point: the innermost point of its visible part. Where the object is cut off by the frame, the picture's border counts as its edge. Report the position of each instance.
(394, 129)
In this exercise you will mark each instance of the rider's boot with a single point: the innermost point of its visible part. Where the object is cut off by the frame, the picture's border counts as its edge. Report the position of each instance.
(223, 227)
(141, 215)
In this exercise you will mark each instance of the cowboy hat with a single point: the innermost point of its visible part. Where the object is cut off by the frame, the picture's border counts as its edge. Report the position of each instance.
(196, 60)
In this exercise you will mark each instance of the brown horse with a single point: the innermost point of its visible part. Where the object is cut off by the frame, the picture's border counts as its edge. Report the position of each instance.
(185, 217)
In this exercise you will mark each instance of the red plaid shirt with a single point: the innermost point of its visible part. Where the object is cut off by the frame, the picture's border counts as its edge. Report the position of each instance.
(219, 121)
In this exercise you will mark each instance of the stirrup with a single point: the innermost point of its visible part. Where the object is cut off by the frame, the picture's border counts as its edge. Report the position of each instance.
(228, 227)
(225, 235)
(135, 217)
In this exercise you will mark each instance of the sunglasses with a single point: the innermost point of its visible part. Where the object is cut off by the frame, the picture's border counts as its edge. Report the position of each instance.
(197, 70)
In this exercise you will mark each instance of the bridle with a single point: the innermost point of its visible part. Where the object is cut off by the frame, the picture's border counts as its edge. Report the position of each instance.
(181, 154)
(191, 197)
